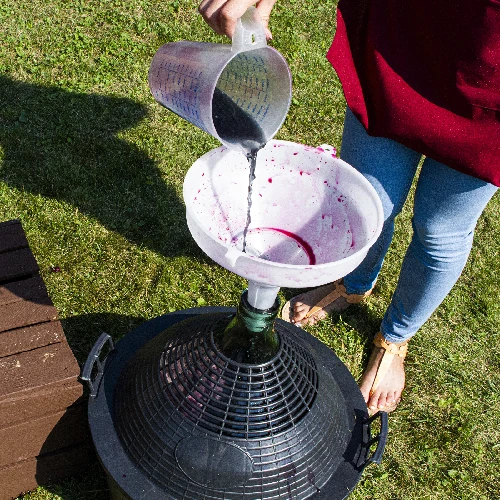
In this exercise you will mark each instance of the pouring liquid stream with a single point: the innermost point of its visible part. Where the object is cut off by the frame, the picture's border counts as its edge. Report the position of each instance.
(252, 160)
(235, 126)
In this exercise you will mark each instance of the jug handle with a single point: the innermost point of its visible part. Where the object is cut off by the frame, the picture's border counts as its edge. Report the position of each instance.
(250, 32)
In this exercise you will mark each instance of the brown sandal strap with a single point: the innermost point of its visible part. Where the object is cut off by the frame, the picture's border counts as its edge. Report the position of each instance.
(396, 349)
(390, 350)
(337, 292)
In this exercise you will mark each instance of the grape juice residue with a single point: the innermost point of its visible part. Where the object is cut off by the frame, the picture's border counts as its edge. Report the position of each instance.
(234, 125)
(303, 243)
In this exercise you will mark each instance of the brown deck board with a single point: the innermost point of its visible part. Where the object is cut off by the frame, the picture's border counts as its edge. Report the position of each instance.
(32, 288)
(12, 236)
(43, 435)
(36, 368)
(24, 313)
(43, 426)
(27, 474)
(28, 338)
(17, 264)
(35, 402)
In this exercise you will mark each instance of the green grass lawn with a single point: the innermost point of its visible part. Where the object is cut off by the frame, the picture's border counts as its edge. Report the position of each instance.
(93, 168)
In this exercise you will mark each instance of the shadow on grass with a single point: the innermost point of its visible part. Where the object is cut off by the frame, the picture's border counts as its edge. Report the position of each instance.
(89, 484)
(82, 331)
(64, 145)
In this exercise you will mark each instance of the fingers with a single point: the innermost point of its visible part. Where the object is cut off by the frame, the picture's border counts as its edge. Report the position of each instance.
(210, 11)
(222, 15)
(264, 8)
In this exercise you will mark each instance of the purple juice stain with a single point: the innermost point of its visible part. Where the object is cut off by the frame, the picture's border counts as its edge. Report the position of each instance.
(303, 243)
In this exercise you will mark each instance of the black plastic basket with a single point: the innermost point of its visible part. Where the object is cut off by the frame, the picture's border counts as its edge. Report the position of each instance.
(173, 418)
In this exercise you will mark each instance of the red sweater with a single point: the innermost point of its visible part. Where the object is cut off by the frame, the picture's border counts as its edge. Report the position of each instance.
(425, 73)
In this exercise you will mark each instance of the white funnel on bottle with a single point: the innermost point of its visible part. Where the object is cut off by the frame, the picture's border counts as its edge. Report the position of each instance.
(313, 216)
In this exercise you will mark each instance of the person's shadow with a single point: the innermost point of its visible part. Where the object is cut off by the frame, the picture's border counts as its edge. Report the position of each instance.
(65, 145)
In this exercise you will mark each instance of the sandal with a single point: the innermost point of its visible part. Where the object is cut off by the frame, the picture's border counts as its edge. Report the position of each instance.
(390, 350)
(337, 292)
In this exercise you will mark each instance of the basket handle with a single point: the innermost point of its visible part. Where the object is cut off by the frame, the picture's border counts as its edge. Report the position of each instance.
(93, 359)
(380, 438)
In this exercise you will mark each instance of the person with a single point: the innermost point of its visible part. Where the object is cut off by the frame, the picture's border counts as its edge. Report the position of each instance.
(422, 81)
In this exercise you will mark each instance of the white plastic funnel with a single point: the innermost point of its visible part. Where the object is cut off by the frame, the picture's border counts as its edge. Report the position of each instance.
(313, 216)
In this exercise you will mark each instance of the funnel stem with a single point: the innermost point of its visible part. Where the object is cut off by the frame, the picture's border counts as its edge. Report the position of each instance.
(262, 296)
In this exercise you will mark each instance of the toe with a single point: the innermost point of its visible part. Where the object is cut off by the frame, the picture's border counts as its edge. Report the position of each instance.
(372, 406)
(364, 387)
(318, 316)
(390, 398)
(374, 402)
(298, 310)
(311, 320)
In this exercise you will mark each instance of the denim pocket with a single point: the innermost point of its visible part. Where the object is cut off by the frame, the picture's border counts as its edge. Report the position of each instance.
(478, 69)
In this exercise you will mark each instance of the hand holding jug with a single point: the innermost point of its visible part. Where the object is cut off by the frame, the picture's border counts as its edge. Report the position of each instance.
(239, 93)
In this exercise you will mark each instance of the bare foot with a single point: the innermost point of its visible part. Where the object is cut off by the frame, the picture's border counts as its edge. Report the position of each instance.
(303, 303)
(387, 394)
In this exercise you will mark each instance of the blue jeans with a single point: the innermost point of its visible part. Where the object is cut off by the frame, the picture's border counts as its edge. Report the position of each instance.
(447, 206)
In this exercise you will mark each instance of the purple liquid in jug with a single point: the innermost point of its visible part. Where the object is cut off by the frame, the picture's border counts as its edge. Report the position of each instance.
(234, 125)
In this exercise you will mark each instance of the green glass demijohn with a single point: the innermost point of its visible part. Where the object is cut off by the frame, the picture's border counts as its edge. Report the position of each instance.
(250, 336)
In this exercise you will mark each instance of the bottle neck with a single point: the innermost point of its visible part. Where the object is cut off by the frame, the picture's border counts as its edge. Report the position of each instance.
(250, 337)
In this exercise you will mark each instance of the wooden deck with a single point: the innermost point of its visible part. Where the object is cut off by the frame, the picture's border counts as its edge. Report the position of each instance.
(43, 424)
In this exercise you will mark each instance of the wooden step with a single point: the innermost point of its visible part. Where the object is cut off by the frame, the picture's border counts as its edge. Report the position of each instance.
(26, 475)
(43, 425)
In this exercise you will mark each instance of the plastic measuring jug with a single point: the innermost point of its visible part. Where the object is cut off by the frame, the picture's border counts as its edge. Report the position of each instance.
(238, 93)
